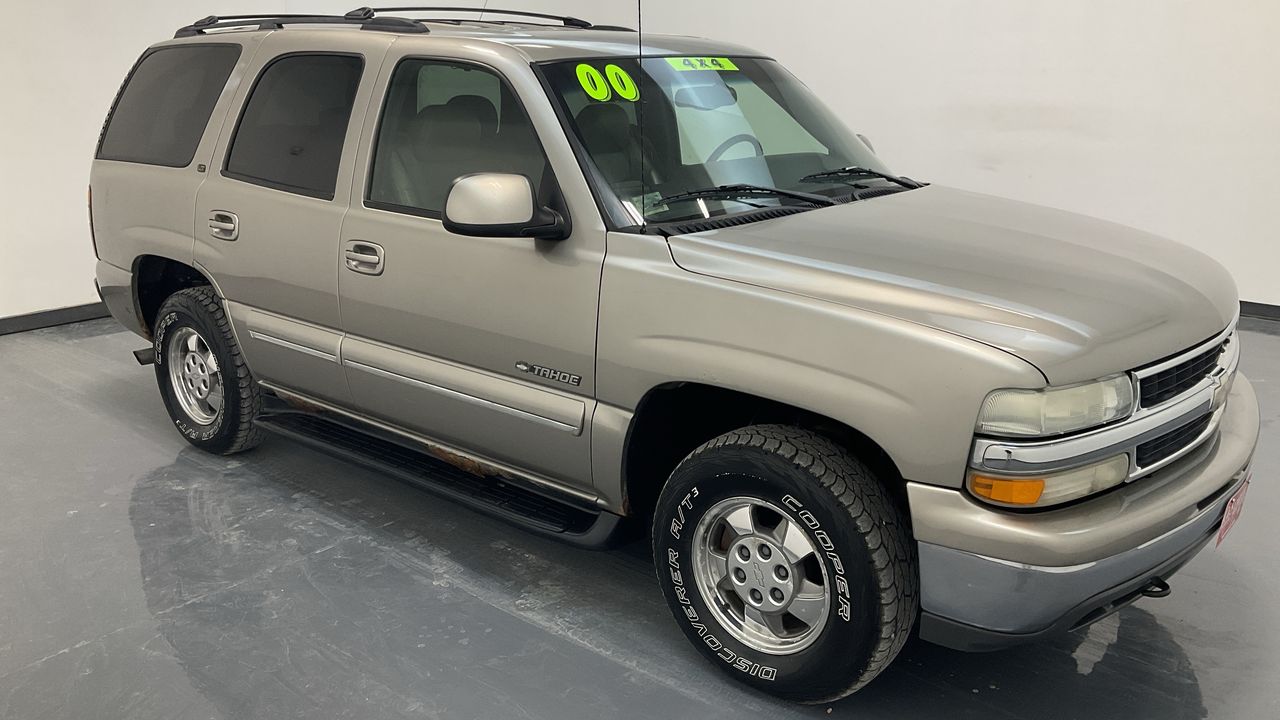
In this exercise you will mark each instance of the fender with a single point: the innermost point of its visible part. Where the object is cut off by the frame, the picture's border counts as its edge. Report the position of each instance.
(914, 391)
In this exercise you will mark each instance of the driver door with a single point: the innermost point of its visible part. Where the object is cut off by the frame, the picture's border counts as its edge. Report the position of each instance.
(486, 345)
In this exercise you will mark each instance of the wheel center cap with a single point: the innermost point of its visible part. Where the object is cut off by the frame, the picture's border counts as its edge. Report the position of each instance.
(762, 575)
(197, 375)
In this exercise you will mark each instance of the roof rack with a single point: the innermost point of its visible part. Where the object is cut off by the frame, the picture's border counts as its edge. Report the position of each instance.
(566, 20)
(364, 17)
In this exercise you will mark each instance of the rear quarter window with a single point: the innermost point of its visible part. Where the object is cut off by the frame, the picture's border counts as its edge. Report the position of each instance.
(164, 106)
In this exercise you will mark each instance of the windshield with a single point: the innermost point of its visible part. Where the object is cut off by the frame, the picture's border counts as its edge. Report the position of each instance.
(658, 128)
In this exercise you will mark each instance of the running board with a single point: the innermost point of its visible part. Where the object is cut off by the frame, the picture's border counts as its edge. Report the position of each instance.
(569, 520)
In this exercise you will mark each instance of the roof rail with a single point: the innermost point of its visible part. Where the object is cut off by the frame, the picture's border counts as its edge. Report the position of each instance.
(567, 20)
(364, 17)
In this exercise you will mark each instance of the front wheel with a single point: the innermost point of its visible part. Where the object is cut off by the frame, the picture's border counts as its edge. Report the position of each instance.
(785, 562)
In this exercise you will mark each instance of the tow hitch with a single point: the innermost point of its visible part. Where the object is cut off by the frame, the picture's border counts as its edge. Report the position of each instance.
(1157, 589)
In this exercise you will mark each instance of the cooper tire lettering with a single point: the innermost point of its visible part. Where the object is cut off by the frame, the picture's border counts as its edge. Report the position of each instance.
(844, 605)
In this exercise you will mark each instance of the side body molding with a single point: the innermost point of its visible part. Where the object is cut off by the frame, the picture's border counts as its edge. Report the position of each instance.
(449, 380)
(290, 352)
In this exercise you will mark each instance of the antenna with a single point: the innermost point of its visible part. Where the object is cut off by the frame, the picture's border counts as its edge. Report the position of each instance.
(641, 104)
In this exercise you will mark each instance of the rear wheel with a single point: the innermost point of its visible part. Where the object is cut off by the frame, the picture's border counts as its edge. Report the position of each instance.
(785, 562)
(207, 389)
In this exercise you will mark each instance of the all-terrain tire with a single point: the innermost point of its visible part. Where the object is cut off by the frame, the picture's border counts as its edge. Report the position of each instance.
(860, 535)
(232, 429)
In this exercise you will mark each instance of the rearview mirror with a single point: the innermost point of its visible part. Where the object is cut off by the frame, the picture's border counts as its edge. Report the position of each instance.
(706, 97)
(867, 142)
(500, 205)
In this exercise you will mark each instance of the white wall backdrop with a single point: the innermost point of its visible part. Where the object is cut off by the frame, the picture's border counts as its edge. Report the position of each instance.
(1161, 114)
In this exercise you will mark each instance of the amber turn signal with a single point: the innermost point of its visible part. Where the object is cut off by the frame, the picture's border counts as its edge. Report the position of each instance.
(1051, 488)
(1009, 491)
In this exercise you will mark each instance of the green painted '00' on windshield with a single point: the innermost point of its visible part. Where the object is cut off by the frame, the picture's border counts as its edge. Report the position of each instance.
(601, 86)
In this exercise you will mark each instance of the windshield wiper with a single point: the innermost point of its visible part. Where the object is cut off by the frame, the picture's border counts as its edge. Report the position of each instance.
(743, 190)
(857, 171)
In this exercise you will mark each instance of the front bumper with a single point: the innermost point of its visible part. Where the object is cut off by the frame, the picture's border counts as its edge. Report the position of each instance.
(991, 578)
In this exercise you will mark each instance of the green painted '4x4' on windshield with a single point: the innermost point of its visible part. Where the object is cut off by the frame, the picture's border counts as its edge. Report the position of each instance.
(686, 64)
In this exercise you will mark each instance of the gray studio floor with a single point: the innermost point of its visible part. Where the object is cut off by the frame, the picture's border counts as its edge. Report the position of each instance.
(142, 579)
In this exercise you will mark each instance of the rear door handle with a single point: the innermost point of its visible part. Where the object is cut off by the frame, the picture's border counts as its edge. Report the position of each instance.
(364, 257)
(224, 225)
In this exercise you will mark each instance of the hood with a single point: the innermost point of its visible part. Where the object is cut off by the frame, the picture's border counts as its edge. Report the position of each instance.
(1077, 297)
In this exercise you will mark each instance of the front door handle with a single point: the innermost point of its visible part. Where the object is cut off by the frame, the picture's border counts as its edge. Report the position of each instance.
(224, 225)
(364, 257)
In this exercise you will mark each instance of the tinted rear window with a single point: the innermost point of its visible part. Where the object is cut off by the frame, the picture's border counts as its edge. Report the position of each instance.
(164, 106)
(291, 132)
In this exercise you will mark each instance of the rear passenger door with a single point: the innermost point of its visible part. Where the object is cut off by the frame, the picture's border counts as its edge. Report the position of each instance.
(483, 344)
(268, 216)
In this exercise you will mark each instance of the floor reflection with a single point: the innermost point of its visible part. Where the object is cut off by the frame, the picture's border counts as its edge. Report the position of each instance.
(1125, 666)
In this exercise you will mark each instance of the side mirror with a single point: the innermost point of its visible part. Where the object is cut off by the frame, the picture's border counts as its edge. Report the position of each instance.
(500, 205)
(867, 142)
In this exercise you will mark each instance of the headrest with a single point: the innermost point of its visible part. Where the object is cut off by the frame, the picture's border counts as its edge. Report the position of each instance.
(480, 108)
(605, 128)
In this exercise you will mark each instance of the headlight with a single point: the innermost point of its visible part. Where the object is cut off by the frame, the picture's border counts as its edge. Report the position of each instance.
(1049, 488)
(1054, 411)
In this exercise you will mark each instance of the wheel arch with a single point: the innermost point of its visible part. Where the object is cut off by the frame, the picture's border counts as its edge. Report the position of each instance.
(674, 418)
(155, 278)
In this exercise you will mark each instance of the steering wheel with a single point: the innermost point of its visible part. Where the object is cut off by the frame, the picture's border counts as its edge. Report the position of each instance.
(736, 140)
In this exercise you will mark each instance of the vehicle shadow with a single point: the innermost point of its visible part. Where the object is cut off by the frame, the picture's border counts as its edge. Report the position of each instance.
(285, 583)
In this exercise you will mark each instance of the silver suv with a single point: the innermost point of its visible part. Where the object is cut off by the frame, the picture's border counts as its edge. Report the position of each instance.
(595, 285)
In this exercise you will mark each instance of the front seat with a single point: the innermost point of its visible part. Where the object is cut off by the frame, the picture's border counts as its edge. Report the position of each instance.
(606, 132)
(446, 141)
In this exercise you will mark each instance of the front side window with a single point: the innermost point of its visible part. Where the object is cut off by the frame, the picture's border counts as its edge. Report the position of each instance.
(292, 129)
(165, 104)
(443, 120)
(658, 127)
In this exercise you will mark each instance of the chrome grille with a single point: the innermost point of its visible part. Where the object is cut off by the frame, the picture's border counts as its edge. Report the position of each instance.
(1153, 451)
(1172, 382)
